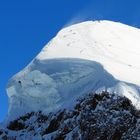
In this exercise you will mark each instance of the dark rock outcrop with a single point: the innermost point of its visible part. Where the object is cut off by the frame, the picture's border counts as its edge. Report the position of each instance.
(95, 117)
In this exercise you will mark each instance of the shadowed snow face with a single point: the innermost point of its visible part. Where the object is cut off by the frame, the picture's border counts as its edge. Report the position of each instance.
(52, 84)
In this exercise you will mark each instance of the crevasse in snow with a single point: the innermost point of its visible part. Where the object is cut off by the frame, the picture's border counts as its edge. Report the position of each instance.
(85, 57)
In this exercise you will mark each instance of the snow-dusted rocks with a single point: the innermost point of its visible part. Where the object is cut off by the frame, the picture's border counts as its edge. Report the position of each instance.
(90, 56)
(95, 116)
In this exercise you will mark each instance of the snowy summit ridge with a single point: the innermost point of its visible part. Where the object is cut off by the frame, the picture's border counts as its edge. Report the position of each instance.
(86, 57)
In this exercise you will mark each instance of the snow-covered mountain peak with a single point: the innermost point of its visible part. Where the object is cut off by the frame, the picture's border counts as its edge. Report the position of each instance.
(85, 57)
(114, 45)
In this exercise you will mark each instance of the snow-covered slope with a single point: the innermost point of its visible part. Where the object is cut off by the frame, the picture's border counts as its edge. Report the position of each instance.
(90, 56)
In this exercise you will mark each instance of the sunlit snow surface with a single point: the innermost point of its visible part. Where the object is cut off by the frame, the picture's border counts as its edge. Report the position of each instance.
(90, 56)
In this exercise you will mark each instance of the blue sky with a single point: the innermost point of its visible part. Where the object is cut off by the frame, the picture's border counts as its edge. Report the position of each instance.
(26, 26)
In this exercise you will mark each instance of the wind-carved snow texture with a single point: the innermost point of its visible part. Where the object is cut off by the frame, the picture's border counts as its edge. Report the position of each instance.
(90, 56)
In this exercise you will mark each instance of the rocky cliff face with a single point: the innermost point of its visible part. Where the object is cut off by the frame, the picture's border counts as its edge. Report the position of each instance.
(96, 116)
